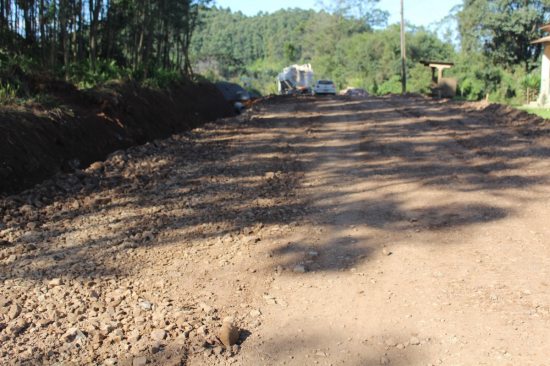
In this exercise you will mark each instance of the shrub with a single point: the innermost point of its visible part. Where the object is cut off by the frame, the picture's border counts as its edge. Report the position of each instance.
(8, 93)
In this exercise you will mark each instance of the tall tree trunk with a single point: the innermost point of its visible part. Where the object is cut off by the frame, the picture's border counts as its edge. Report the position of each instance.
(27, 18)
(42, 23)
(94, 8)
(2, 16)
(53, 35)
(64, 25)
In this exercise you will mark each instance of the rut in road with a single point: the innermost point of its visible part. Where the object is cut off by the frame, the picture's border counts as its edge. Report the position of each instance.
(399, 231)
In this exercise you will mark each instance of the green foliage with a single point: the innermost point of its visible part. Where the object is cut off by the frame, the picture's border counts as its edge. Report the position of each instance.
(344, 43)
(391, 86)
(156, 42)
(8, 93)
(420, 78)
(339, 46)
(162, 79)
(503, 29)
(94, 41)
(85, 75)
(541, 112)
(13, 64)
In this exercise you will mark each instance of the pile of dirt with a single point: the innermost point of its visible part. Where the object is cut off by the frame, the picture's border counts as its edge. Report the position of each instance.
(526, 123)
(85, 126)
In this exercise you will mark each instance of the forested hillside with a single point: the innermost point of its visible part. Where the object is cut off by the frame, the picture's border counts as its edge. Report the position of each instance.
(357, 48)
(89, 42)
(93, 41)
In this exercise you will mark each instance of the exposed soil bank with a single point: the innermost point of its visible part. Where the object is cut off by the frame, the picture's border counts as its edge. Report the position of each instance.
(88, 125)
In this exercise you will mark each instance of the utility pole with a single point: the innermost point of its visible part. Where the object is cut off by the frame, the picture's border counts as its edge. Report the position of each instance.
(403, 53)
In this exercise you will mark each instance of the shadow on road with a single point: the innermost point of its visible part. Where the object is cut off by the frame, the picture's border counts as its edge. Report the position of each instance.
(237, 179)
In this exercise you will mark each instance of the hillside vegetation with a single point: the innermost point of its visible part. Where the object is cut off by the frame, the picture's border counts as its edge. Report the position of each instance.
(89, 42)
(355, 47)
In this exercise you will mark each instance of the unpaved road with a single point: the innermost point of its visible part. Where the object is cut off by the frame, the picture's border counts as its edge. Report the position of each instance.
(396, 231)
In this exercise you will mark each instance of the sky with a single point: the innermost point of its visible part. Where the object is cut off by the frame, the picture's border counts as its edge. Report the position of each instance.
(417, 12)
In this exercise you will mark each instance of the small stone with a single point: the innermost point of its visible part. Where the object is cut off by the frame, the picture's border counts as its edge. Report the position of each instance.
(386, 251)
(145, 305)
(202, 331)
(300, 268)
(75, 205)
(74, 334)
(98, 165)
(43, 323)
(255, 313)
(4, 301)
(139, 361)
(158, 335)
(384, 360)
(207, 309)
(55, 282)
(14, 311)
(414, 341)
(18, 327)
(229, 334)
(110, 362)
(30, 236)
(390, 342)
(134, 336)
(181, 339)
(32, 225)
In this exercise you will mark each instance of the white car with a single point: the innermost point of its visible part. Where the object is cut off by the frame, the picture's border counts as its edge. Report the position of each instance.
(324, 87)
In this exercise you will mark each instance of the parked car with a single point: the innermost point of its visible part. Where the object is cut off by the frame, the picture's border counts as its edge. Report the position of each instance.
(324, 87)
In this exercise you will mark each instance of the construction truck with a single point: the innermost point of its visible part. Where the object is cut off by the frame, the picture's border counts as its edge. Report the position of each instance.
(296, 79)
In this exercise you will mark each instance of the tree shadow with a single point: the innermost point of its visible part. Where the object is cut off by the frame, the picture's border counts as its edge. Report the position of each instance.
(248, 172)
(245, 184)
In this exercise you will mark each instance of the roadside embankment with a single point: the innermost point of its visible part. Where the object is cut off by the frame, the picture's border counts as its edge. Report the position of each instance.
(85, 126)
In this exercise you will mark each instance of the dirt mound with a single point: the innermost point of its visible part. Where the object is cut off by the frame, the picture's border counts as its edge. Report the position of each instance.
(526, 123)
(85, 126)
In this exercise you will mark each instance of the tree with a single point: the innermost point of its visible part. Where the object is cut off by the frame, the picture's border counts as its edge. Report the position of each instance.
(503, 29)
(364, 10)
(68, 36)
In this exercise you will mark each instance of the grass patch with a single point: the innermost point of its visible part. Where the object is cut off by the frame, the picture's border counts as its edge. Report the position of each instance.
(541, 112)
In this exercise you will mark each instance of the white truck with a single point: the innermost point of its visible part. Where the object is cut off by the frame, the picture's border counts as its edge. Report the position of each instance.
(296, 79)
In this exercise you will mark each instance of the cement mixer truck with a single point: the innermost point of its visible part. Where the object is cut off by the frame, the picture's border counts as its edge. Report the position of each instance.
(296, 79)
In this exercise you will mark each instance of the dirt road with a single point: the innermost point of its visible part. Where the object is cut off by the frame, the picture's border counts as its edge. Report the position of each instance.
(393, 231)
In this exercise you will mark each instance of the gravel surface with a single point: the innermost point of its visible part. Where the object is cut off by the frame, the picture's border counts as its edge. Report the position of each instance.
(392, 231)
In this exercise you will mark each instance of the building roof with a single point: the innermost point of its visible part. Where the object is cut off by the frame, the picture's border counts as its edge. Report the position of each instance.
(438, 63)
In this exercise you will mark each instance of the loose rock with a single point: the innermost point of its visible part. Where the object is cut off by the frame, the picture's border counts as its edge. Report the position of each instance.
(158, 335)
(300, 268)
(139, 361)
(229, 333)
